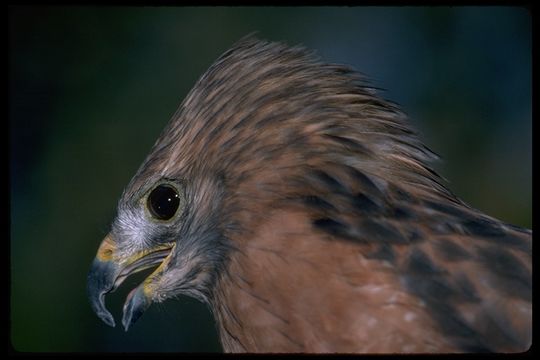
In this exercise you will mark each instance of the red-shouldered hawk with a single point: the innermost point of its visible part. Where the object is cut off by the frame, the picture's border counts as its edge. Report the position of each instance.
(301, 206)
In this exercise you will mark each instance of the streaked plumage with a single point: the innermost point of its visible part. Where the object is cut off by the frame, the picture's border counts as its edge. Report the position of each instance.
(311, 221)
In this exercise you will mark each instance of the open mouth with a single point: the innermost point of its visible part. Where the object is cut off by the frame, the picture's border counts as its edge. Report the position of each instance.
(106, 275)
(150, 260)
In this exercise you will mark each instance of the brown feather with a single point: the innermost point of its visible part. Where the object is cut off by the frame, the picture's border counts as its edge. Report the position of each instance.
(345, 239)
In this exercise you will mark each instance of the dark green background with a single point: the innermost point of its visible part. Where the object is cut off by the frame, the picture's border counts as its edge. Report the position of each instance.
(91, 88)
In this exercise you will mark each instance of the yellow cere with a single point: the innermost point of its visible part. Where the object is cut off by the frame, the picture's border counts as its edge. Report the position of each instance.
(106, 249)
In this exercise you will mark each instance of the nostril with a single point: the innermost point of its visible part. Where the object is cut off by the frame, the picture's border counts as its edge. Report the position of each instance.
(105, 254)
(106, 250)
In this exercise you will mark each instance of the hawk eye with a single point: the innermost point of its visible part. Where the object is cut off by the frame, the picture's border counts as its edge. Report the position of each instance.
(163, 202)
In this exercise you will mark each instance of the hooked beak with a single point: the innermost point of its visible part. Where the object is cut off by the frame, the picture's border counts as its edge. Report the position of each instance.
(109, 270)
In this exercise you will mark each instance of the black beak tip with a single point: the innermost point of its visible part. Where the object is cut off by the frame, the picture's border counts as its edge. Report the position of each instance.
(126, 323)
(100, 282)
(136, 304)
(107, 318)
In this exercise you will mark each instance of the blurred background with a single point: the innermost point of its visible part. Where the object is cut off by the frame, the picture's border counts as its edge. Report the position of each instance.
(90, 89)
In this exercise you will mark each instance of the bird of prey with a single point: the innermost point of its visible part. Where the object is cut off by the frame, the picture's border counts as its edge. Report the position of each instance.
(298, 204)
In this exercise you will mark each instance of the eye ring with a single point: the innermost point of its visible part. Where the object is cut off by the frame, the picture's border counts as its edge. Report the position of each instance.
(163, 202)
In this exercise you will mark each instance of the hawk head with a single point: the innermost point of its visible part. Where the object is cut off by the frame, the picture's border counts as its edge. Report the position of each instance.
(297, 203)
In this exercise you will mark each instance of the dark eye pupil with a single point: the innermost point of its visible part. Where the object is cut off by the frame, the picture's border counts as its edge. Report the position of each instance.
(163, 202)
